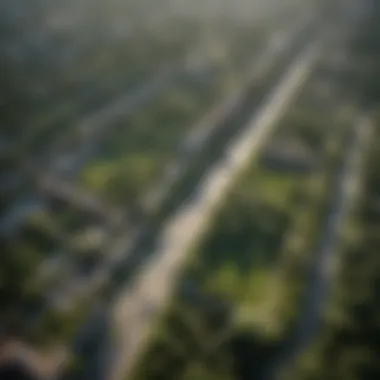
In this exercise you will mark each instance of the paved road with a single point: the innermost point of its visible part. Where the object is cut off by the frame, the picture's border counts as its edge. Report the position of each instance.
(197, 138)
(157, 280)
(200, 134)
(344, 194)
(79, 286)
(92, 127)
(344, 191)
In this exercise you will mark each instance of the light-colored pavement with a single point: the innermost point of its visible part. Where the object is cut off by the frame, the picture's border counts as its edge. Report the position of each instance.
(345, 192)
(93, 126)
(199, 135)
(197, 138)
(158, 279)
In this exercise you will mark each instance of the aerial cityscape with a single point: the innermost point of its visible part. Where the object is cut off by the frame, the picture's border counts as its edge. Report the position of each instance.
(190, 190)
